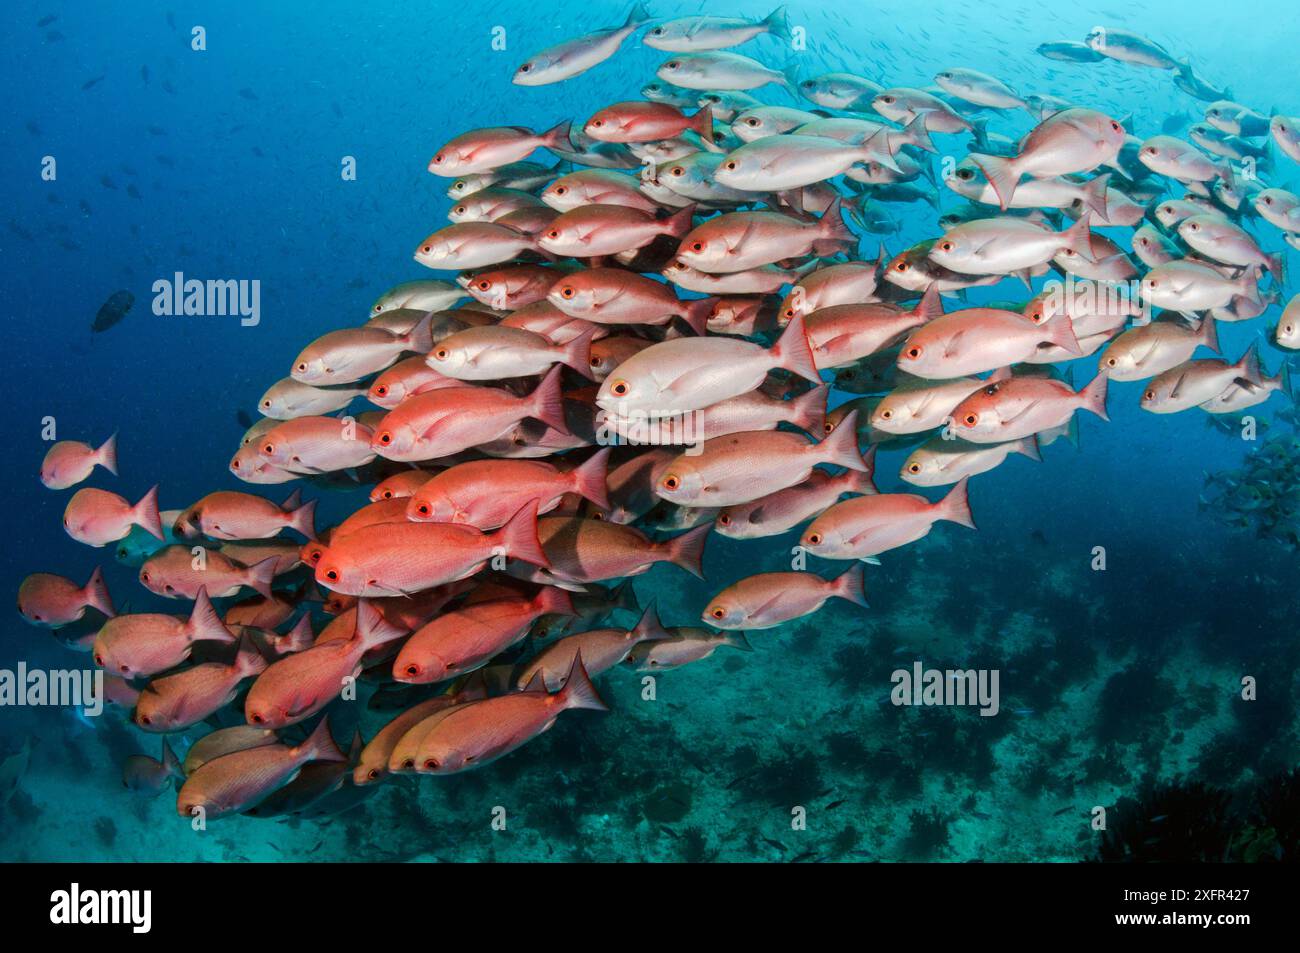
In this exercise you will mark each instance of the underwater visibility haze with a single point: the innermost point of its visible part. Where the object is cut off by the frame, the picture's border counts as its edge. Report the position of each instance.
(723, 431)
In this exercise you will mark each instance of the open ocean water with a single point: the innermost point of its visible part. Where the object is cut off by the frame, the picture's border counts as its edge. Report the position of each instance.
(1136, 594)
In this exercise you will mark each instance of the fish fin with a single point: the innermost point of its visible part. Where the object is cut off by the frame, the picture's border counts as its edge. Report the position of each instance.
(916, 133)
(145, 513)
(107, 454)
(301, 635)
(204, 623)
(637, 16)
(554, 600)
(808, 410)
(578, 692)
(870, 560)
(292, 501)
(303, 519)
(1078, 239)
(320, 745)
(518, 537)
(261, 575)
(696, 314)
(1208, 334)
(687, 550)
(558, 135)
(624, 597)
(850, 585)
(680, 222)
(793, 353)
(777, 23)
(1094, 197)
(577, 354)
(702, 123)
(1059, 331)
(546, 403)
(536, 684)
(96, 594)
(590, 481)
(840, 447)
(248, 660)
(834, 227)
(931, 304)
(1029, 447)
(1002, 174)
(649, 626)
(955, 507)
(736, 639)
(420, 338)
(1093, 397)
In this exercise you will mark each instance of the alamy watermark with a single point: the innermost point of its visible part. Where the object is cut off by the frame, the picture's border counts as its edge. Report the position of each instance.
(213, 297)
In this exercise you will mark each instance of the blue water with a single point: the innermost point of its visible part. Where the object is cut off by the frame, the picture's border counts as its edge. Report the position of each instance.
(234, 154)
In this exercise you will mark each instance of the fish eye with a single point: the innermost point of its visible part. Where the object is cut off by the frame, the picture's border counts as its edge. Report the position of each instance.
(731, 166)
(372, 774)
(460, 210)
(697, 246)
(946, 246)
(1111, 362)
(965, 174)
(1267, 199)
(724, 520)
(671, 482)
(1116, 126)
(145, 720)
(441, 354)
(266, 403)
(413, 670)
(814, 539)
(269, 449)
(1194, 226)
(567, 292)
(887, 100)
(386, 437)
(886, 415)
(597, 123)
(752, 122)
(677, 170)
(553, 233)
(970, 420)
(423, 509)
(914, 468)
(718, 612)
(525, 68)
(1149, 395)
(902, 266)
(381, 390)
(332, 575)
(426, 249)
(619, 388)
(561, 189)
(914, 351)
(671, 65)
(438, 157)
(484, 285)
(387, 494)
(302, 365)
(99, 660)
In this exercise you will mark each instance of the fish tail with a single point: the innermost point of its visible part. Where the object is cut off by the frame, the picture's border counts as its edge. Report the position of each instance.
(578, 692)
(649, 626)
(931, 304)
(809, 410)
(736, 639)
(851, 586)
(687, 550)
(624, 597)
(261, 574)
(1248, 366)
(792, 352)
(546, 403)
(680, 222)
(790, 80)
(1095, 197)
(552, 600)
(696, 314)
(834, 227)
(303, 519)
(778, 25)
(637, 16)
(320, 745)
(1059, 331)
(107, 455)
(96, 595)
(420, 338)
(171, 764)
(702, 123)
(292, 501)
(1093, 397)
(1002, 174)
(916, 133)
(300, 636)
(204, 623)
(590, 479)
(248, 660)
(955, 507)
(1078, 239)
(518, 537)
(1277, 268)
(1249, 285)
(558, 135)
(841, 445)
(863, 481)
(577, 353)
(1208, 334)
(145, 513)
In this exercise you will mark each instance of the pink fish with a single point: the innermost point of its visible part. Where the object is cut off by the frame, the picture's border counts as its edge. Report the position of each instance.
(177, 701)
(143, 644)
(98, 517)
(866, 526)
(771, 598)
(69, 462)
(52, 601)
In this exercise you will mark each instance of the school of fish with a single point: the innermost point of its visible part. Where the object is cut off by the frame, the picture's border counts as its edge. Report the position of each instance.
(662, 330)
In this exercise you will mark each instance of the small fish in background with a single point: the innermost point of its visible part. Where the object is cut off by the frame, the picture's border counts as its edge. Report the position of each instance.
(151, 776)
(574, 57)
(247, 93)
(144, 74)
(117, 306)
(92, 83)
(47, 20)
